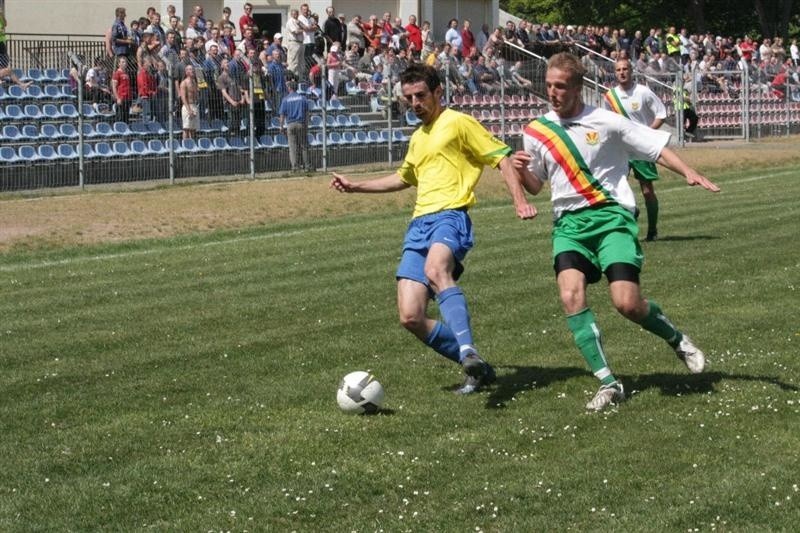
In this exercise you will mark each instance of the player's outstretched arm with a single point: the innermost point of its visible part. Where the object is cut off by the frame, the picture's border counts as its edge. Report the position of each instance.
(389, 183)
(670, 159)
(513, 179)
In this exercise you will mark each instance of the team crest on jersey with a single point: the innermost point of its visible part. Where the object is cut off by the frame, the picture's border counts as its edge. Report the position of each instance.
(635, 106)
(592, 138)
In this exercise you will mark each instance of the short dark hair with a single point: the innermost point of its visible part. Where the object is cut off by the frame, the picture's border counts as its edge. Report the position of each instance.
(421, 72)
(291, 85)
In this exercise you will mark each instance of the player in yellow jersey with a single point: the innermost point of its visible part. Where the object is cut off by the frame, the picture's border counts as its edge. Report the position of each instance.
(445, 158)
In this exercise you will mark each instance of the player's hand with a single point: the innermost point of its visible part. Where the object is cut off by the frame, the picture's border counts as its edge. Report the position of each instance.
(341, 183)
(520, 159)
(526, 211)
(694, 179)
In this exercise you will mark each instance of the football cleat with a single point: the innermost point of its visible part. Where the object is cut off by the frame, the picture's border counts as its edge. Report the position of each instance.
(691, 355)
(606, 395)
(478, 372)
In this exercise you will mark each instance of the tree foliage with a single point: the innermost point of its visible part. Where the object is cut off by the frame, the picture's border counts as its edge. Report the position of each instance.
(761, 18)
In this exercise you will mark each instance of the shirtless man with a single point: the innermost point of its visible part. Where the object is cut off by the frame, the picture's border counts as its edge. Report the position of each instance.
(189, 95)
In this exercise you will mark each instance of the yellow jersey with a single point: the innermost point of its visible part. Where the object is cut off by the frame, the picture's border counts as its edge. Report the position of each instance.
(445, 161)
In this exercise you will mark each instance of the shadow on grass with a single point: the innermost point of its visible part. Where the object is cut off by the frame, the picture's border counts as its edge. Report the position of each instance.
(680, 384)
(523, 378)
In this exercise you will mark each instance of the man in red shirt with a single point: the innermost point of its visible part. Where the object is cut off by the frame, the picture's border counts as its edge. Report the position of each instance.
(747, 48)
(467, 39)
(247, 19)
(147, 85)
(121, 90)
(414, 35)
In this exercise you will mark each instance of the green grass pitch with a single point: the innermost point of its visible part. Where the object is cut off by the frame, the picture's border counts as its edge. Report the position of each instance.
(189, 384)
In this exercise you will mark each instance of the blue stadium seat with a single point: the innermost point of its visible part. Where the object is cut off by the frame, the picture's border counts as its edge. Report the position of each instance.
(66, 90)
(4, 94)
(412, 119)
(15, 92)
(68, 131)
(189, 145)
(121, 128)
(34, 74)
(156, 147)
(27, 153)
(176, 146)
(312, 140)
(47, 152)
(355, 121)
(139, 148)
(103, 129)
(51, 112)
(342, 121)
(266, 141)
(335, 138)
(374, 136)
(11, 134)
(221, 144)
(399, 136)
(53, 92)
(336, 105)
(361, 137)
(302, 88)
(155, 128)
(89, 131)
(87, 149)
(348, 137)
(384, 136)
(88, 110)
(139, 129)
(281, 141)
(50, 132)
(120, 149)
(69, 111)
(217, 125)
(66, 151)
(204, 144)
(33, 112)
(103, 150)
(275, 123)
(34, 92)
(8, 155)
(330, 121)
(53, 75)
(237, 143)
(29, 132)
(315, 121)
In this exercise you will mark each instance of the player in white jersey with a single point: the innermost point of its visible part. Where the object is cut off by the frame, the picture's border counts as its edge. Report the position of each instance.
(584, 152)
(641, 105)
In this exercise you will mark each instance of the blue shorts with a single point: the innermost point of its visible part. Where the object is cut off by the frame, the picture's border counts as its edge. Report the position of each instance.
(452, 228)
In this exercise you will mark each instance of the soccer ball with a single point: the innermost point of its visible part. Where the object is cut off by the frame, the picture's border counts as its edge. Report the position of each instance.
(359, 392)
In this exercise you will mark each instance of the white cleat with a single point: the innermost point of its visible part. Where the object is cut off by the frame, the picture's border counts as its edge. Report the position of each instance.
(606, 395)
(691, 355)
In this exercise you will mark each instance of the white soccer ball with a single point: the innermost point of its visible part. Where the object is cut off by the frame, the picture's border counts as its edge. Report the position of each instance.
(359, 392)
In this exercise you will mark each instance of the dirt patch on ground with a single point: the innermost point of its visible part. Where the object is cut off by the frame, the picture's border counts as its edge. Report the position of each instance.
(129, 213)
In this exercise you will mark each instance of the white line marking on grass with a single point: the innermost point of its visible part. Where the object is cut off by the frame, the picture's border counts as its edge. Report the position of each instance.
(292, 233)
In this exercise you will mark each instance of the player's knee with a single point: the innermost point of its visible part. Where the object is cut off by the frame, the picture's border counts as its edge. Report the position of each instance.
(630, 308)
(412, 321)
(649, 195)
(572, 299)
(438, 275)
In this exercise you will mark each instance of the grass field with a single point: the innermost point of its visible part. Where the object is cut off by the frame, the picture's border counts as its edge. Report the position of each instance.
(188, 383)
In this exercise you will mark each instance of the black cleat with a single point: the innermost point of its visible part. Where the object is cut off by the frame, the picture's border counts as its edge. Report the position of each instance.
(651, 236)
(479, 374)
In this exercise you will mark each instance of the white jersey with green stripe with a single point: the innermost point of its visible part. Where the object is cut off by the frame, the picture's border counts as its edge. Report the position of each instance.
(640, 103)
(585, 158)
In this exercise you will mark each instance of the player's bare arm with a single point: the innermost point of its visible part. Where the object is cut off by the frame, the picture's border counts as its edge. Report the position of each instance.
(670, 159)
(530, 182)
(513, 180)
(389, 183)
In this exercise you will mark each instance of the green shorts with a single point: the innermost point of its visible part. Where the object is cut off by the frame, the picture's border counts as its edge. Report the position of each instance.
(644, 170)
(603, 235)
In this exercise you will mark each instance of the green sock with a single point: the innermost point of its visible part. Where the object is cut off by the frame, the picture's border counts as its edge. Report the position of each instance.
(652, 214)
(587, 338)
(656, 322)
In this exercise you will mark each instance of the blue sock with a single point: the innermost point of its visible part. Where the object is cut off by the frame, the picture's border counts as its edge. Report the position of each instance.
(444, 342)
(453, 307)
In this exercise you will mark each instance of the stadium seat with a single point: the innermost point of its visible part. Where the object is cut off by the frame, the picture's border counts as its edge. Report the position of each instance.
(139, 129)
(204, 144)
(302, 88)
(89, 131)
(8, 155)
(139, 148)
(53, 75)
(237, 143)
(4, 94)
(361, 137)
(52, 92)
(355, 121)
(121, 128)
(412, 119)
(66, 90)
(68, 131)
(221, 144)
(14, 112)
(120, 149)
(275, 124)
(103, 150)
(312, 140)
(330, 121)
(315, 121)
(66, 151)
(155, 128)
(47, 152)
(335, 138)
(15, 92)
(35, 75)
(334, 104)
(50, 132)
(51, 112)
(156, 147)
(266, 141)
(32, 112)
(281, 141)
(103, 129)
(384, 136)
(399, 136)
(27, 153)
(342, 121)
(29, 132)
(11, 134)
(348, 137)
(34, 92)
(86, 149)
(374, 136)
(189, 145)
(87, 110)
